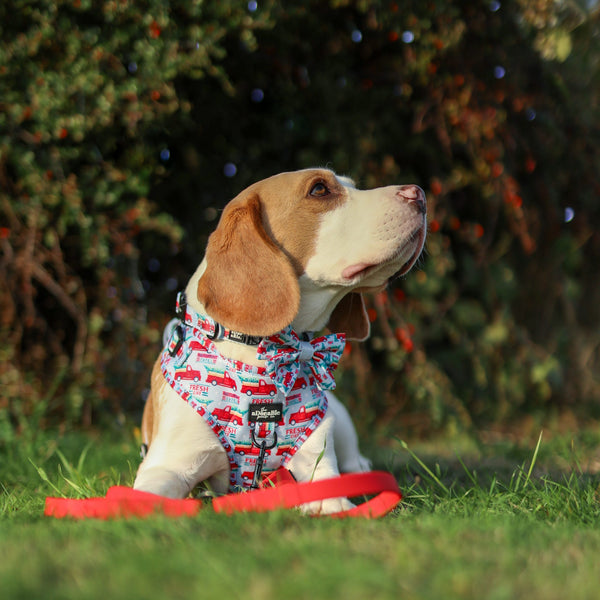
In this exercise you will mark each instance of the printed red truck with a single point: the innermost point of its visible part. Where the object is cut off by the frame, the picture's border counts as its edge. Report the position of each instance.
(188, 373)
(299, 384)
(249, 475)
(221, 379)
(227, 415)
(262, 388)
(303, 415)
(284, 448)
(247, 449)
(197, 346)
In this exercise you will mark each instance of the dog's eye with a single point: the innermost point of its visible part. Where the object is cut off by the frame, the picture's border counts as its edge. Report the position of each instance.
(319, 190)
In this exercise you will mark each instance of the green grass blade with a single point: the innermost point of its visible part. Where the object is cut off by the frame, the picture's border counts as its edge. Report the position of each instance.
(533, 460)
(425, 468)
(44, 476)
(470, 475)
(319, 459)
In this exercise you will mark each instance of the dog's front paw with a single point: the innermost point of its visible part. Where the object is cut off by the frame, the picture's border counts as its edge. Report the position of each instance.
(327, 507)
(162, 482)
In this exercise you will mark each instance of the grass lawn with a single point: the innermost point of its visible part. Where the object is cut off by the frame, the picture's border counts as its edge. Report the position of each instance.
(497, 521)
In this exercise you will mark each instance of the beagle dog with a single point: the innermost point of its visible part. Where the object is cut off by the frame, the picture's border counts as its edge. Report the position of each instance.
(292, 253)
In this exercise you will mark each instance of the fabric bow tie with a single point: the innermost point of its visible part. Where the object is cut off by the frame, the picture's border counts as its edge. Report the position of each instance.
(285, 351)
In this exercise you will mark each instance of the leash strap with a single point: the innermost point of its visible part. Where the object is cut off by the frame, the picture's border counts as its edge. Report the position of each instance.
(284, 492)
(279, 491)
(120, 502)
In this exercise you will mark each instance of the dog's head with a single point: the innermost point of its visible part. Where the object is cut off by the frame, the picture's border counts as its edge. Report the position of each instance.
(301, 247)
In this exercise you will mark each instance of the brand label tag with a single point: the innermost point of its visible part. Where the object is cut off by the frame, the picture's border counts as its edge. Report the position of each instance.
(263, 412)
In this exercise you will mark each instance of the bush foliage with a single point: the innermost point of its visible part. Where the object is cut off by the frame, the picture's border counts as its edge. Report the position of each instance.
(125, 127)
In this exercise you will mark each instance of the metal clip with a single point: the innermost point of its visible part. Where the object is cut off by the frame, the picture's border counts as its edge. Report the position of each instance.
(261, 457)
(215, 335)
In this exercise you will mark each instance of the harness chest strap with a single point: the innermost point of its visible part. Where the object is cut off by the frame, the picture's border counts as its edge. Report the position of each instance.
(243, 407)
(226, 392)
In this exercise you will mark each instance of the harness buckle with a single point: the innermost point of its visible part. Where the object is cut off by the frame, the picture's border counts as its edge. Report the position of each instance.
(181, 305)
(176, 340)
(215, 334)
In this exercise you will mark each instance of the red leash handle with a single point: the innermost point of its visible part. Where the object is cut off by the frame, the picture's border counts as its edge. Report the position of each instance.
(286, 494)
(120, 502)
(280, 491)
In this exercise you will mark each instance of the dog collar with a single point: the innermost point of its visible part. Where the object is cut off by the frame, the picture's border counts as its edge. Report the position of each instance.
(283, 352)
(209, 327)
(215, 331)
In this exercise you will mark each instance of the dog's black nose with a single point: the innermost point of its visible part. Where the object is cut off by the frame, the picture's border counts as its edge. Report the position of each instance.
(413, 194)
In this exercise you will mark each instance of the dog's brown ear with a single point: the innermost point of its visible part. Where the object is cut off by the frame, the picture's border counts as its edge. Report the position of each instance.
(350, 317)
(249, 284)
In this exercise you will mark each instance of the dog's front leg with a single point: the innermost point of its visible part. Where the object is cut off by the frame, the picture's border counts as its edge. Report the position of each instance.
(349, 458)
(316, 459)
(183, 453)
(163, 481)
(176, 476)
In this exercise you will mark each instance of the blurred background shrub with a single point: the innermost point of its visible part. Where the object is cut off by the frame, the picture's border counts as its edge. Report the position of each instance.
(126, 126)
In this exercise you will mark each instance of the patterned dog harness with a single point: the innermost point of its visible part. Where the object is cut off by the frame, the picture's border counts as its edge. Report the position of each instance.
(261, 415)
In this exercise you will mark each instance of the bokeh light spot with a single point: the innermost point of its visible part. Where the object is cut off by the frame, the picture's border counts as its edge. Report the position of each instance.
(154, 265)
(408, 37)
(257, 95)
(229, 169)
(569, 214)
(357, 36)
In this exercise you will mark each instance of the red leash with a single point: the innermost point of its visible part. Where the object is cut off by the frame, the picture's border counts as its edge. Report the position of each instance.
(287, 493)
(279, 491)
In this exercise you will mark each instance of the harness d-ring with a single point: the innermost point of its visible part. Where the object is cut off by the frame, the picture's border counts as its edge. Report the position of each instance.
(261, 457)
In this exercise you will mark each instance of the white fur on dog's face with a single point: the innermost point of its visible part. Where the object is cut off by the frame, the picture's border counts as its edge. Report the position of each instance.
(292, 248)
(372, 236)
(362, 242)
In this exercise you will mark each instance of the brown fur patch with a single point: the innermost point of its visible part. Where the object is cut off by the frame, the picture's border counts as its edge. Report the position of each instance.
(264, 239)
(249, 285)
(292, 216)
(350, 317)
(149, 422)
